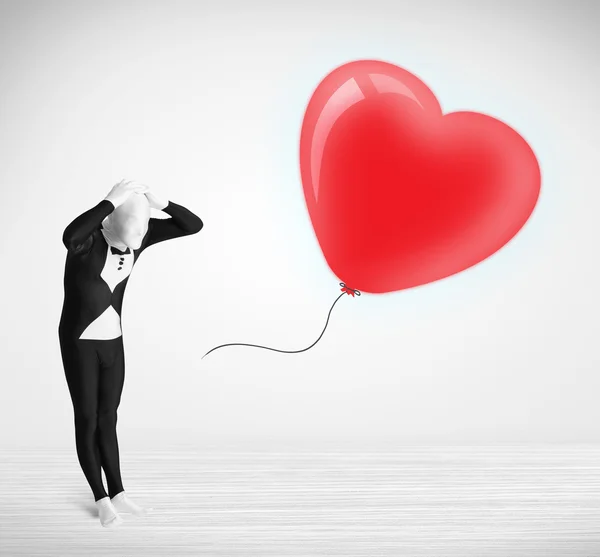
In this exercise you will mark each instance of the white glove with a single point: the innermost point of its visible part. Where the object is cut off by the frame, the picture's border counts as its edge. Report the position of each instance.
(155, 201)
(121, 191)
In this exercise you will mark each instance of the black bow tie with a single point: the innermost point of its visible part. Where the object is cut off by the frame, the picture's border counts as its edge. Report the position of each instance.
(117, 251)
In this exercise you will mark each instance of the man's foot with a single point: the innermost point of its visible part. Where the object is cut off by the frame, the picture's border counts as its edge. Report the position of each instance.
(109, 517)
(123, 504)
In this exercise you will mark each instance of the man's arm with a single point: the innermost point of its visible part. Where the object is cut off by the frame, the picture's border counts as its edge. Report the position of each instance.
(82, 227)
(182, 223)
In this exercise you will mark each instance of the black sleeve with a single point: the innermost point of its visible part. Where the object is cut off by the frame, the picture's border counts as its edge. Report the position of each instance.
(76, 234)
(182, 223)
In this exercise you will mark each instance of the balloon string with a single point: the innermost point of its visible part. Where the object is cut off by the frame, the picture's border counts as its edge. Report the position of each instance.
(345, 290)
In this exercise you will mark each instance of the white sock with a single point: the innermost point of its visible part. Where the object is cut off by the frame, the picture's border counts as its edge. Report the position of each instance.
(109, 517)
(124, 504)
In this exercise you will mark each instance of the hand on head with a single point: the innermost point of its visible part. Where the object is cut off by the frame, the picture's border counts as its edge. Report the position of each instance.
(121, 191)
(155, 201)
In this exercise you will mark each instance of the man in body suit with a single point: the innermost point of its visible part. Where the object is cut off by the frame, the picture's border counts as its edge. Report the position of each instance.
(102, 245)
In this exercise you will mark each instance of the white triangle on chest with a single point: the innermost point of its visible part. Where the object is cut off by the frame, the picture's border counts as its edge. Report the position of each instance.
(116, 268)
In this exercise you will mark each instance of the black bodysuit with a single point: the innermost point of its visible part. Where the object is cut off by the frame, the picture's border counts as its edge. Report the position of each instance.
(90, 335)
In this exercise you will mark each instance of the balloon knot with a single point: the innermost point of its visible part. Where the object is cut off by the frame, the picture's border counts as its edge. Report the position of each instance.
(348, 290)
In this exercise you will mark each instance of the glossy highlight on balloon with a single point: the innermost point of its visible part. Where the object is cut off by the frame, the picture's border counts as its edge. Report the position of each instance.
(400, 194)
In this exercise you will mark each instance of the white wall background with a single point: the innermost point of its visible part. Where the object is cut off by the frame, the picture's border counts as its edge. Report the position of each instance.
(205, 105)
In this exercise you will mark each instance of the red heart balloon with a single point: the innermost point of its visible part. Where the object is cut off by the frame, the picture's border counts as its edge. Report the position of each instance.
(400, 194)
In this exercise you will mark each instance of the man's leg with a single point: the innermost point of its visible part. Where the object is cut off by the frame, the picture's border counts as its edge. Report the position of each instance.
(81, 371)
(112, 378)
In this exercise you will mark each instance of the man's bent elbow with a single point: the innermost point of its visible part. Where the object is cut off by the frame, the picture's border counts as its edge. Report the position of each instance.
(67, 240)
(195, 228)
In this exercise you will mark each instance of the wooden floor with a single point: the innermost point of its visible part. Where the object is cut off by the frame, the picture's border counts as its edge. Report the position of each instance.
(410, 501)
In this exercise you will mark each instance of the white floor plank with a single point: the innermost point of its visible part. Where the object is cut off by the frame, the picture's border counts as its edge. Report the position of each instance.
(410, 501)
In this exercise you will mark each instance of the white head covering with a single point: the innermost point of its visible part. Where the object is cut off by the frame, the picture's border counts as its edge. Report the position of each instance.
(110, 236)
(136, 204)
